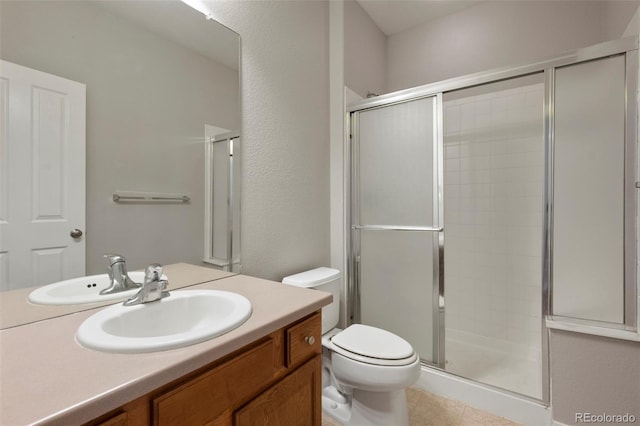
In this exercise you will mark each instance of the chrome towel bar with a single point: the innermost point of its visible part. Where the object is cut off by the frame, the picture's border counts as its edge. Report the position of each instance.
(144, 197)
(396, 228)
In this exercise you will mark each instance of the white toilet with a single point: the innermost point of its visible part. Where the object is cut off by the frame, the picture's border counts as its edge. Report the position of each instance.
(365, 369)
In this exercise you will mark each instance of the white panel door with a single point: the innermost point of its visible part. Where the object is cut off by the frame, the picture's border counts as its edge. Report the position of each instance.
(42, 177)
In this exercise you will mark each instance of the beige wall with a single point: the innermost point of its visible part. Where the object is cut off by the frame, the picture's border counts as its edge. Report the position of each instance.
(592, 374)
(617, 17)
(365, 52)
(147, 102)
(490, 35)
(285, 124)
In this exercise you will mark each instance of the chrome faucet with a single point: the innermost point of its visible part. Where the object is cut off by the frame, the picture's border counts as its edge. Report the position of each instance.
(154, 288)
(117, 270)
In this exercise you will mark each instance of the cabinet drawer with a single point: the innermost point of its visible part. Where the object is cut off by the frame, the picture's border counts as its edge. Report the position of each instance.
(303, 340)
(202, 399)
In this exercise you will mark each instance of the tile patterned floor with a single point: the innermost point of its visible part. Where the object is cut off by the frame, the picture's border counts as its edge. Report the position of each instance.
(427, 409)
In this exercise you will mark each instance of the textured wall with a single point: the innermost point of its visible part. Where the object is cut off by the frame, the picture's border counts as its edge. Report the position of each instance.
(285, 128)
(592, 374)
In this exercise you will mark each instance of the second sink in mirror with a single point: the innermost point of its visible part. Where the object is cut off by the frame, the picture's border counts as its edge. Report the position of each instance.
(81, 290)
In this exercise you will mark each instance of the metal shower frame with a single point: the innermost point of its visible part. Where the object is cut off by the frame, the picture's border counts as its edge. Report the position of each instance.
(627, 47)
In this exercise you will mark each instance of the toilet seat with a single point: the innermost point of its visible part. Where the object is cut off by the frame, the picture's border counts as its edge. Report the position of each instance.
(372, 345)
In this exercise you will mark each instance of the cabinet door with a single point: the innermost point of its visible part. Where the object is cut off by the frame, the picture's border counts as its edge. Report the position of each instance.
(206, 397)
(295, 400)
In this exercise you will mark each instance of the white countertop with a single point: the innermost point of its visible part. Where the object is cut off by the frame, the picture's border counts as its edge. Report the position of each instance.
(46, 377)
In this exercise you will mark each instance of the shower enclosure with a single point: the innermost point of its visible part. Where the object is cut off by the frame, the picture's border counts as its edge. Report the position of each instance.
(222, 201)
(469, 205)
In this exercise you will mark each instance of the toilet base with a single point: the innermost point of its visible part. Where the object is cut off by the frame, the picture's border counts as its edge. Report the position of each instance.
(338, 411)
(366, 408)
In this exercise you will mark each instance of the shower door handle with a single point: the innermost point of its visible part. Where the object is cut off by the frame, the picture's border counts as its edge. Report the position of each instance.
(397, 228)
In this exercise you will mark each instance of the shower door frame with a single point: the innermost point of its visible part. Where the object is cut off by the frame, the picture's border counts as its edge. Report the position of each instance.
(233, 262)
(626, 46)
(437, 228)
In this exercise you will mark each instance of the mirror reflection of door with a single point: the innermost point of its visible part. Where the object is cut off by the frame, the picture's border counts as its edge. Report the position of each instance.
(155, 74)
(42, 175)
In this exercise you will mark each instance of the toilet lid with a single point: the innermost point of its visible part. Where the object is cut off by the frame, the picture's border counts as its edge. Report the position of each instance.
(373, 342)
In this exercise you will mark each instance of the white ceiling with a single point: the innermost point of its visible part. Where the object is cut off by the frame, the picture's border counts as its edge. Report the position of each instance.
(394, 16)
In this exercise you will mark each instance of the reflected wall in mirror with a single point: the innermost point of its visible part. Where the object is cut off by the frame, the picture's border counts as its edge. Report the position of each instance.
(155, 74)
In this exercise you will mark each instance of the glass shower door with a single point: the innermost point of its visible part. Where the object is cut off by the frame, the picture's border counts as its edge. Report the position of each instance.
(493, 209)
(396, 221)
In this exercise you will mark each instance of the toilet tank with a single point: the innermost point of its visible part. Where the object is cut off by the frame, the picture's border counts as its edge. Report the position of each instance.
(324, 279)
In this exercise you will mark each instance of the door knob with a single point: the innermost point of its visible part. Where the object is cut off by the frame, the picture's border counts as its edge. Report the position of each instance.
(75, 233)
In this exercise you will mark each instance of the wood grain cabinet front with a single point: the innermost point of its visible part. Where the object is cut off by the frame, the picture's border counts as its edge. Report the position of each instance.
(303, 340)
(206, 397)
(121, 419)
(273, 381)
(293, 401)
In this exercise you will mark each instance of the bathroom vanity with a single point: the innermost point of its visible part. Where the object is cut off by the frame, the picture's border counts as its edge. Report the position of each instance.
(267, 371)
(274, 381)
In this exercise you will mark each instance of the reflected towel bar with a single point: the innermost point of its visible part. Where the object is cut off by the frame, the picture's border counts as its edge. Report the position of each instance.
(150, 198)
(396, 228)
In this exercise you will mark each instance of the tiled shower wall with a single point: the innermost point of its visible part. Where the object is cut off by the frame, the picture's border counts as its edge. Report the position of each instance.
(493, 213)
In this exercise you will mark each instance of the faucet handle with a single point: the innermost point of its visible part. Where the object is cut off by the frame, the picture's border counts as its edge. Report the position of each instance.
(114, 258)
(163, 285)
(152, 272)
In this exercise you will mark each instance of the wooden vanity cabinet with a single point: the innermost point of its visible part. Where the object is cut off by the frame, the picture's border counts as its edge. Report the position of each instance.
(292, 401)
(273, 381)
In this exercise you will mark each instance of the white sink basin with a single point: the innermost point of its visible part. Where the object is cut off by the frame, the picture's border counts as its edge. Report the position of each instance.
(81, 290)
(184, 318)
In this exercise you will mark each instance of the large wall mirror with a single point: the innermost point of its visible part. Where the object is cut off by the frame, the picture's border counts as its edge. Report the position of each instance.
(129, 92)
